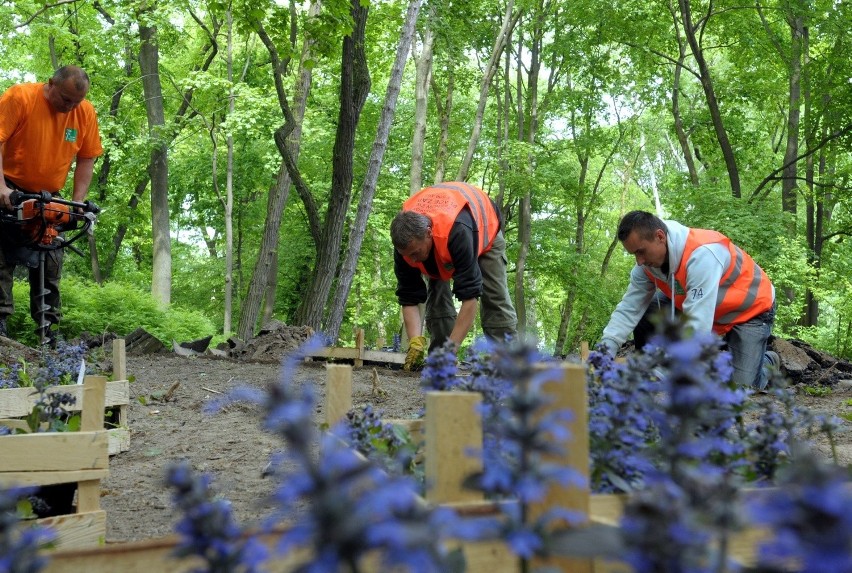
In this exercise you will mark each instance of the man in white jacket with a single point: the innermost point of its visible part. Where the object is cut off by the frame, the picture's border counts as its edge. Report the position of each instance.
(701, 273)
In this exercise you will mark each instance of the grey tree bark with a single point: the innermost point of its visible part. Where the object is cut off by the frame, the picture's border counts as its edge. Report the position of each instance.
(500, 42)
(158, 168)
(423, 78)
(368, 189)
(229, 187)
(354, 88)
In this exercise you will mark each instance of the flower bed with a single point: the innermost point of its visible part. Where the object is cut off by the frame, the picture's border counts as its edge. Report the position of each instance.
(44, 459)
(18, 402)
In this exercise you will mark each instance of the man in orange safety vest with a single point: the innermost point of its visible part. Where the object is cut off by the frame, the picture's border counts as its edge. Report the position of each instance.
(451, 232)
(701, 273)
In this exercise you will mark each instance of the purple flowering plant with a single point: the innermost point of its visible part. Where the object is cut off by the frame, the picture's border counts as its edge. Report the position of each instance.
(19, 546)
(810, 516)
(392, 447)
(50, 412)
(208, 528)
(57, 367)
(440, 369)
(520, 439)
(342, 505)
(621, 429)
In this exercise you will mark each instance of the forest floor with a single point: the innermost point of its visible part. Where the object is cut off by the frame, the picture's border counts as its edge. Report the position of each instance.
(167, 420)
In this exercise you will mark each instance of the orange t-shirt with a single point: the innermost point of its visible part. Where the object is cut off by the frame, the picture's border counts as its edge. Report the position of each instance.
(39, 144)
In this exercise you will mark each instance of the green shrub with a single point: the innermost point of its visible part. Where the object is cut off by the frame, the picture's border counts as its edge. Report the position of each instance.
(111, 307)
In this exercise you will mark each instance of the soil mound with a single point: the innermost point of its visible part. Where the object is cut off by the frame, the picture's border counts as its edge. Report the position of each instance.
(274, 341)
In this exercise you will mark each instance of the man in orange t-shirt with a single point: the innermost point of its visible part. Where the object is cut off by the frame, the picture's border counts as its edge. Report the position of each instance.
(44, 127)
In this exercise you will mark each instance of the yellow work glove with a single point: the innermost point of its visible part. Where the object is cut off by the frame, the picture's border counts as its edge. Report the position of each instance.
(416, 353)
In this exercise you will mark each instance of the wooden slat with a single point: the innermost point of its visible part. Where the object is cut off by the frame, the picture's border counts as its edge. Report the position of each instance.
(384, 356)
(453, 429)
(336, 352)
(416, 428)
(119, 440)
(18, 402)
(16, 424)
(342, 353)
(155, 556)
(91, 420)
(119, 359)
(93, 404)
(50, 478)
(565, 387)
(607, 508)
(359, 345)
(54, 452)
(75, 530)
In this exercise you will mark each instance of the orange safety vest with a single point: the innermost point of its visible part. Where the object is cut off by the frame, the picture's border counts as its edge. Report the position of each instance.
(442, 203)
(744, 289)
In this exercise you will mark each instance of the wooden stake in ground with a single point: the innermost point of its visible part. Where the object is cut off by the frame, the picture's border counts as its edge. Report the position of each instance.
(338, 392)
(566, 390)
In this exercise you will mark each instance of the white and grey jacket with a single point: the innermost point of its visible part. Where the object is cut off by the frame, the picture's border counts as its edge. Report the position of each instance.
(704, 271)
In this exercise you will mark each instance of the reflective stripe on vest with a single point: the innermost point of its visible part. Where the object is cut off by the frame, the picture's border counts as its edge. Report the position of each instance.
(442, 203)
(744, 289)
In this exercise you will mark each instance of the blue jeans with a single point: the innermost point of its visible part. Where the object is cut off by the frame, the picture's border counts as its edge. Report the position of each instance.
(746, 342)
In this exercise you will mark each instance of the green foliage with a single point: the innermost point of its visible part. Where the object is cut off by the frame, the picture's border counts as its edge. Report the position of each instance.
(121, 308)
(817, 390)
(604, 141)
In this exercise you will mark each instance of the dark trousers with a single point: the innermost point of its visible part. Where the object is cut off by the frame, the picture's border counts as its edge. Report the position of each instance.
(52, 275)
(747, 341)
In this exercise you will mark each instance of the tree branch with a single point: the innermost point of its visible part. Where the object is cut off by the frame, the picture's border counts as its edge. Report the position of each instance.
(43, 10)
(283, 132)
(773, 175)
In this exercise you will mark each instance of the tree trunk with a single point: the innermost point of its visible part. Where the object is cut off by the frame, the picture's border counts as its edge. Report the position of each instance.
(287, 139)
(354, 88)
(269, 292)
(422, 80)
(444, 112)
(509, 20)
(208, 53)
(158, 168)
(560, 347)
(229, 189)
(682, 139)
(789, 183)
(368, 189)
(93, 256)
(710, 93)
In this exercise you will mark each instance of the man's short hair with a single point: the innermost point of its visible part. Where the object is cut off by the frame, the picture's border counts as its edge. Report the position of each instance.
(409, 226)
(74, 73)
(643, 222)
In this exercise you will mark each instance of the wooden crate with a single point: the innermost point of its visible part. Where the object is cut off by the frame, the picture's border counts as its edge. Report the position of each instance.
(19, 402)
(66, 457)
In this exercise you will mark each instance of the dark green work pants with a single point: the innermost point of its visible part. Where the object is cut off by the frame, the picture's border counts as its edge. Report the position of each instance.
(496, 312)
